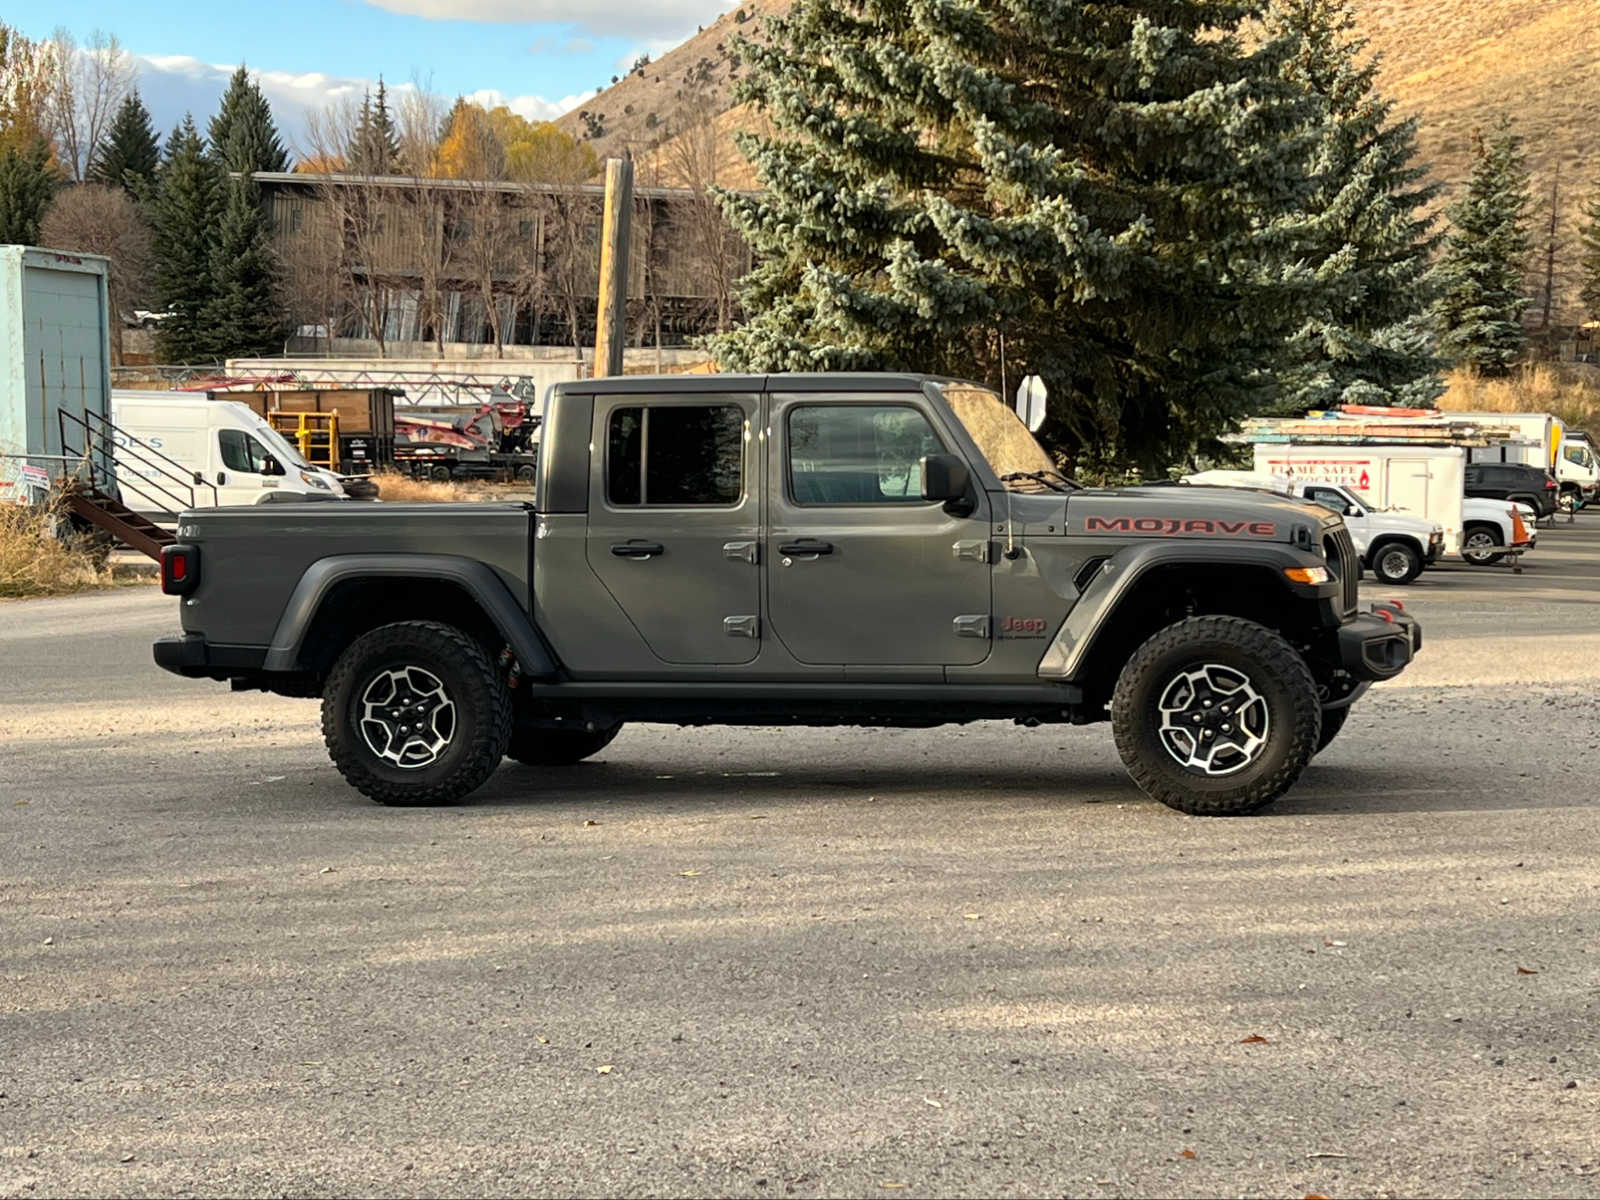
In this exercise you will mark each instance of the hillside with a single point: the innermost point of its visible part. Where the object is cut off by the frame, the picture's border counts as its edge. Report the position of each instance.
(1454, 63)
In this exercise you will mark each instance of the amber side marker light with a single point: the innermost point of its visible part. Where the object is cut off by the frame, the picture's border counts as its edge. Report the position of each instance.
(1307, 574)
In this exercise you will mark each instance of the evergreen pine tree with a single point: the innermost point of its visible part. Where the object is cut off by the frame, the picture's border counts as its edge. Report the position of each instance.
(1371, 345)
(129, 156)
(1481, 292)
(245, 314)
(184, 215)
(1589, 236)
(1110, 196)
(28, 183)
(244, 137)
(375, 144)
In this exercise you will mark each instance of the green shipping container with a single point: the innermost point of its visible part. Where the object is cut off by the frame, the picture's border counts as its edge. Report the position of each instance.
(55, 354)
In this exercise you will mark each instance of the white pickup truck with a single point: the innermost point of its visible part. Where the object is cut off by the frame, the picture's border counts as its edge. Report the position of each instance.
(1394, 546)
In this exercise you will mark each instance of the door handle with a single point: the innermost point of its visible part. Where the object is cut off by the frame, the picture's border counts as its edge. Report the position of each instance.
(809, 547)
(221, 478)
(639, 550)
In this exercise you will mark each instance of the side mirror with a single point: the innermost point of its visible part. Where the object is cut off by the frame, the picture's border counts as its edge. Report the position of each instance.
(1351, 510)
(271, 466)
(945, 478)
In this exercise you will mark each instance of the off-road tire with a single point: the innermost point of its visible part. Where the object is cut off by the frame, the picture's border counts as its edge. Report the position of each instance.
(1271, 666)
(1387, 555)
(1484, 560)
(1332, 722)
(558, 747)
(482, 707)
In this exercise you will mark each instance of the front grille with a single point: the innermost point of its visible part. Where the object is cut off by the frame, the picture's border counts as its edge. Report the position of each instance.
(1340, 551)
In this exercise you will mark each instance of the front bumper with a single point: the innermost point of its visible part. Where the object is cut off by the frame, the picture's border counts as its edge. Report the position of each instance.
(1378, 645)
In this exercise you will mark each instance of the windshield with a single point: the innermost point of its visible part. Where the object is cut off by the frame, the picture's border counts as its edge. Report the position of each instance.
(279, 445)
(1001, 436)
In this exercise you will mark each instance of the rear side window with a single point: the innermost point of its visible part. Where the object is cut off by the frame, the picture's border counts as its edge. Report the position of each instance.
(855, 454)
(677, 455)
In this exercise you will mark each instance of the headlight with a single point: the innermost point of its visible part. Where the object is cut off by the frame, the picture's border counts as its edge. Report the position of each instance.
(316, 481)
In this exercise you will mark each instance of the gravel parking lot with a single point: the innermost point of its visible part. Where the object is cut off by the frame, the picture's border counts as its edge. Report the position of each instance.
(966, 961)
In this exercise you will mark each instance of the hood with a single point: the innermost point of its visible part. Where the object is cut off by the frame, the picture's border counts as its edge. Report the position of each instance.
(1399, 522)
(1190, 511)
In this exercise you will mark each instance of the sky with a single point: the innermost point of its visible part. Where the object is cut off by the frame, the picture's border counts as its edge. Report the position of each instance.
(541, 57)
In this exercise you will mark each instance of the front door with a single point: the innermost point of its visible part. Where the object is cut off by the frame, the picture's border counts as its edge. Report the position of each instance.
(861, 571)
(241, 477)
(675, 522)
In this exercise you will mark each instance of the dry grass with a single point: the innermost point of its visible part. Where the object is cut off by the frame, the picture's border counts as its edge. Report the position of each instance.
(397, 488)
(36, 562)
(1571, 393)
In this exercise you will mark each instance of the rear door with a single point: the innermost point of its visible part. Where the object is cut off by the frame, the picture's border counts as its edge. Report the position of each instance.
(675, 522)
(861, 571)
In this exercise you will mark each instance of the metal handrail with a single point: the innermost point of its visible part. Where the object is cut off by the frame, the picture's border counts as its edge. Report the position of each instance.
(101, 445)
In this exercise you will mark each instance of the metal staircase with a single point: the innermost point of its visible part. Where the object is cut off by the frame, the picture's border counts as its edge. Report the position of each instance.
(113, 466)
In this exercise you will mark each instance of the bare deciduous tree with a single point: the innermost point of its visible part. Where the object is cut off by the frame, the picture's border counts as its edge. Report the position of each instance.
(360, 212)
(91, 81)
(712, 251)
(93, 219)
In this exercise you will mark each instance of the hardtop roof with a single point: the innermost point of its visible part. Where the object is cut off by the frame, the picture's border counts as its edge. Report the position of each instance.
(822, 381)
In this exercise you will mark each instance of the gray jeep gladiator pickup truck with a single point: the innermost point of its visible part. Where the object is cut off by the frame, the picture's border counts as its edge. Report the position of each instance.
(873, 550)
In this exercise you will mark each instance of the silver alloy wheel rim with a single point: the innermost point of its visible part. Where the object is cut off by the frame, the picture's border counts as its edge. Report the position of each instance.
(1479, 545)
(1391, 559)
(407, 718)
(1213, 721)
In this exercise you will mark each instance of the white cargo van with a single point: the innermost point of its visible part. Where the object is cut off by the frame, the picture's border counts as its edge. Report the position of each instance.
(233, 456)
(1425, 481)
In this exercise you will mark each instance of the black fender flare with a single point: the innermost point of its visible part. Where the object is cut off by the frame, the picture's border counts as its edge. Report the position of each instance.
(1109, 589)
(475, 578)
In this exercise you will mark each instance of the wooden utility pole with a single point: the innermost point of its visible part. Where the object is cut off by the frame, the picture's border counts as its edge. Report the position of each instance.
(610, 325)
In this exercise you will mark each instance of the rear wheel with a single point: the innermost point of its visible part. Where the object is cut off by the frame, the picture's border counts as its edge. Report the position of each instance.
(415, 713)
(1216, 716)
(559, 747)
(439, 473)
(526, 474)
(1396, 563)
(1481, 546)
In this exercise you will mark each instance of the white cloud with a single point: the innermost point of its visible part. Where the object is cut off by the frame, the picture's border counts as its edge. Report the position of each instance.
(532, 108)
(658, 18)
(172, 84)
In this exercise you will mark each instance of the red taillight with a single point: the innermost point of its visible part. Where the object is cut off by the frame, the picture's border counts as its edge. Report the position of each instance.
(180, 569)
(1549, 484)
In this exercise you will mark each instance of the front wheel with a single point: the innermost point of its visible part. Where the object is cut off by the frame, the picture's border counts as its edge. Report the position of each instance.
(415, 713)
(1396, 563)
(1481, 548)
(1216, 716)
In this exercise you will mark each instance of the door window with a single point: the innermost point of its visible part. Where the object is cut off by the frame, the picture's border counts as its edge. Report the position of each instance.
(1329, 499)
(853, 454)
(675, 455)
(241, 452)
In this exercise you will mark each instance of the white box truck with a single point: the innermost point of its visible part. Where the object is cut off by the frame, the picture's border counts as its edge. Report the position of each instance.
(1541, 442)
(232, 455)
(1425, 481)
(55, 355)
